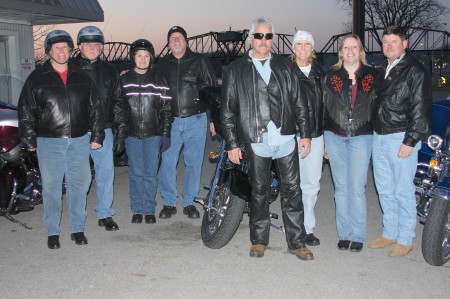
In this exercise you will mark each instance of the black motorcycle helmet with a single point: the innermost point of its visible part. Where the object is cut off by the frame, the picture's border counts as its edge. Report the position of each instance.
(57, 36)
(142, 44)
(90, 34)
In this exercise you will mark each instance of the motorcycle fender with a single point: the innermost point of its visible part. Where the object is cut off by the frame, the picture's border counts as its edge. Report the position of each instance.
(441, 193)
(442, 189)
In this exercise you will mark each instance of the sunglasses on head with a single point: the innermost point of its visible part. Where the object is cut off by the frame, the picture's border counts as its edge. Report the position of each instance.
(268, 36)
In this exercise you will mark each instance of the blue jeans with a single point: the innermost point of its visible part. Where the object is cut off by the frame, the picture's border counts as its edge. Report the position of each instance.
(189, 132)
(349, 162)
(104, 176)
(69, 157)
(143, 160)
(394, 178)
(310, 174)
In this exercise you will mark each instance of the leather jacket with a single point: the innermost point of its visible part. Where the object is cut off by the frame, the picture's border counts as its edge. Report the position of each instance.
(113, 107)
(313, 90)
(240, 115)
(48, 108)
(404, 101)
(186, 76)
(149, 99)
(339, 115)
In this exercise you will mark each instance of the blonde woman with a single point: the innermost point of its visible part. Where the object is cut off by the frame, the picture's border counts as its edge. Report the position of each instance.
(348, 89)
(311, 165)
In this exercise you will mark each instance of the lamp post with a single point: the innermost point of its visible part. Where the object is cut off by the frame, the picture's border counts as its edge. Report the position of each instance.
(359, 20)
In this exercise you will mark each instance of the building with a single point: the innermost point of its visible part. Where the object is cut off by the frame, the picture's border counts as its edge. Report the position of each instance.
(17, 18)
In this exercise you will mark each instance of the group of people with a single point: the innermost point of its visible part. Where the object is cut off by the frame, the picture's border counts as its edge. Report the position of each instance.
(348, 114)
(381, 113)
(291, 112)
(73, 108)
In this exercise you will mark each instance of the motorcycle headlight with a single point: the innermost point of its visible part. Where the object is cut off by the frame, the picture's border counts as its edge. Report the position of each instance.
(434, 142)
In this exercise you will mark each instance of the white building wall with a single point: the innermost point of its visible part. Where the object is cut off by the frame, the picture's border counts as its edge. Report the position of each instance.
(16, 59)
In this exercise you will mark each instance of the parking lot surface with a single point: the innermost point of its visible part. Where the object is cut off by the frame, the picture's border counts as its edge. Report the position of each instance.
(169, 260)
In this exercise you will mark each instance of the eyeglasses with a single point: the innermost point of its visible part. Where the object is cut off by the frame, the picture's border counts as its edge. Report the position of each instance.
(268, 36)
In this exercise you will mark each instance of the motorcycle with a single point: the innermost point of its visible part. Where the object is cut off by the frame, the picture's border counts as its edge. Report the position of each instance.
(229, 191)
(20, 180)
(432, 181)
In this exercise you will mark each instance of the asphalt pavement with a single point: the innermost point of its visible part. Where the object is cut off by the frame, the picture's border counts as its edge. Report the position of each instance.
(169, 260)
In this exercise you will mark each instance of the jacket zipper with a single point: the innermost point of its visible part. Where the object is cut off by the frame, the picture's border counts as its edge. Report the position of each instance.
(178, 87)
(258, 137)
(141, 126)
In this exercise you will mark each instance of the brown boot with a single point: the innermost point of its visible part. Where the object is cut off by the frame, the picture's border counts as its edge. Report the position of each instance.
(381, 242)
(257, 250)
(400, 250)
(303, 253)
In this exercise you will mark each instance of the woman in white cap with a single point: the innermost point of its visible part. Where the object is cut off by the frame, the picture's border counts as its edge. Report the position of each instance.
(311, 165)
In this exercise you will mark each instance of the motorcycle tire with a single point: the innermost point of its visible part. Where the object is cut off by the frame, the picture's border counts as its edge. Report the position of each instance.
(221, 222)
(436, 233)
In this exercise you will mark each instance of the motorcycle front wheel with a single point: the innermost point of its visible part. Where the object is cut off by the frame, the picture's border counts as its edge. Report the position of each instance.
(436, 233)
(222, 220)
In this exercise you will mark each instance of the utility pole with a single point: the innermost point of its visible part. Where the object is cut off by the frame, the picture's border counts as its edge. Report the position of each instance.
(359, 13)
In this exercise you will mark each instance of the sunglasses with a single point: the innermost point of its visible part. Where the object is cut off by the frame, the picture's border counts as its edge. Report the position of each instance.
(268, 36)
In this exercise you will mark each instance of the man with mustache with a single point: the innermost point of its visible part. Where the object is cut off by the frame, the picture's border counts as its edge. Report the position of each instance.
(262, 107)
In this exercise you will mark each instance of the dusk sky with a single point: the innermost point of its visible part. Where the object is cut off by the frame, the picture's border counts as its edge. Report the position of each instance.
(126, 21)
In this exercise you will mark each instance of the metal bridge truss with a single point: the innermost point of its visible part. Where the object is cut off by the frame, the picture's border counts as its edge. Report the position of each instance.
(432, 47)
(419, 39)
(229, 45)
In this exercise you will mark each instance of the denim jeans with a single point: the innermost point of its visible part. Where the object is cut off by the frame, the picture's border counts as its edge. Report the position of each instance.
(104, 176)
(143, 160)
(310, 174)
(394, 178)
(189, 132)
(69, 157)
(349, 162)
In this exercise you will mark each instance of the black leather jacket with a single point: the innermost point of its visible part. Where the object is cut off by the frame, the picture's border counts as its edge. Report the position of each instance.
(113, 107)
(149, 99)
(186, 76)
(404, 101)
(313, 90)
(48, 108)
(339, 116)
(240, 116)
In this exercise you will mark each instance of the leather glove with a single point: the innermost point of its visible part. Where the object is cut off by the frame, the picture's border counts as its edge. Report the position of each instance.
(164, 143)
(119, 147)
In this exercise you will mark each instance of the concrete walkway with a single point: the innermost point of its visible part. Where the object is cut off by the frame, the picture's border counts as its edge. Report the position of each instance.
(169, 260)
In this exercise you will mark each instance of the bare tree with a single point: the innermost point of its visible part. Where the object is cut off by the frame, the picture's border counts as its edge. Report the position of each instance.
(39, 34)
(410, 14)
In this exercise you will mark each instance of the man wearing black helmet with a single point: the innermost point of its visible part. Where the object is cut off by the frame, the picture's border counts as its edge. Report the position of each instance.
(148, 128)
(57, 108)
(186, 72)
(90, 41)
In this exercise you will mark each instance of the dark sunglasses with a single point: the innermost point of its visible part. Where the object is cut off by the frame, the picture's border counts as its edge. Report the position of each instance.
(268, 36)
